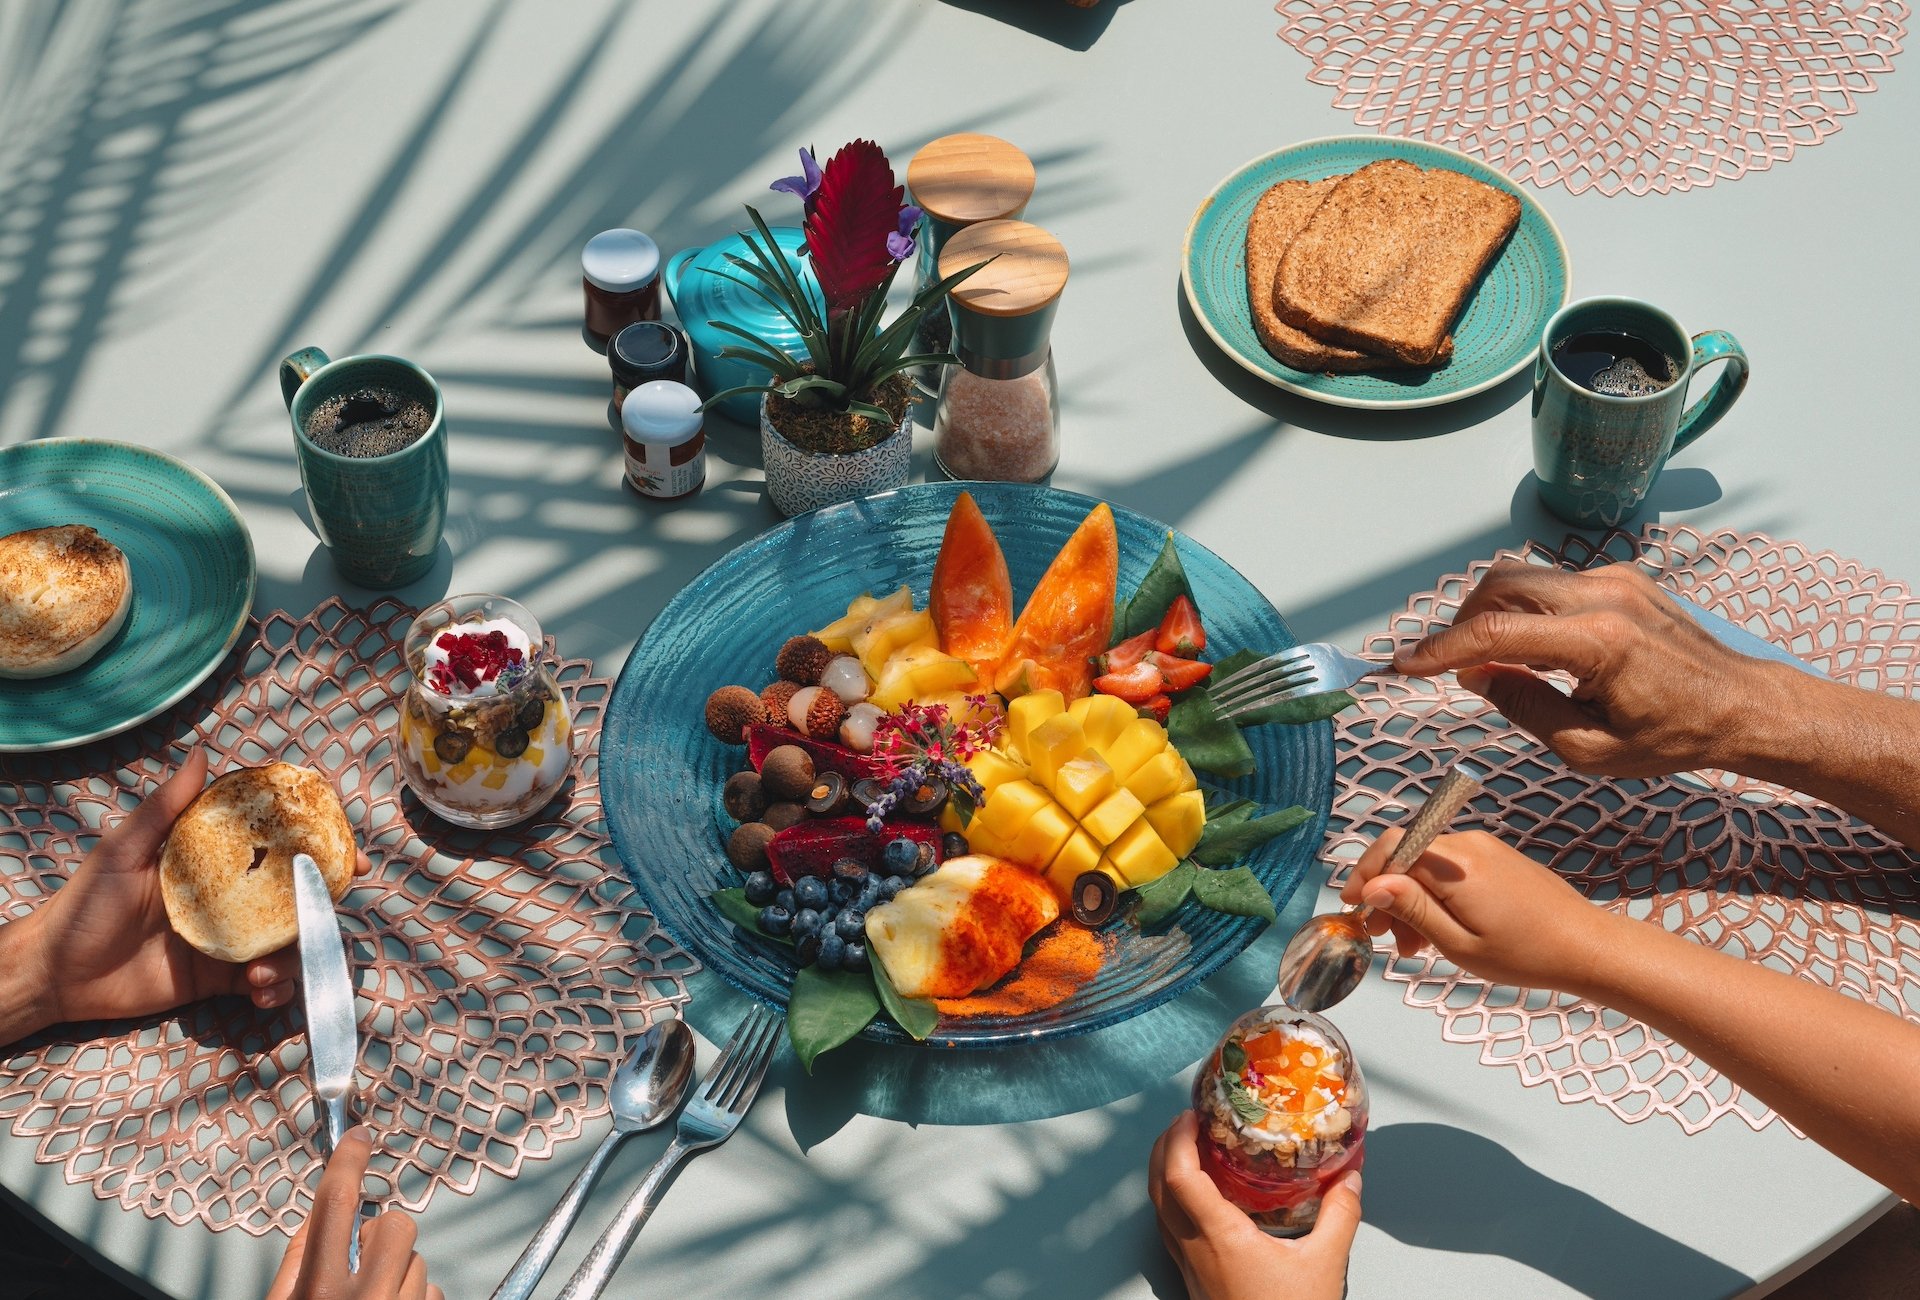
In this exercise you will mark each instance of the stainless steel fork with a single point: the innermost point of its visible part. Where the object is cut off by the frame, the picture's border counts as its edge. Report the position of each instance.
(1312, 669)
(709, 1119)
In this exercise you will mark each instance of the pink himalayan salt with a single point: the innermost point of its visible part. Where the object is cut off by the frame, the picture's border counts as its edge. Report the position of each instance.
(1000, 429)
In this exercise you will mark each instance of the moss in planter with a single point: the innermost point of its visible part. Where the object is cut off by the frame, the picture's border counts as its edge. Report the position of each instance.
(840, 432)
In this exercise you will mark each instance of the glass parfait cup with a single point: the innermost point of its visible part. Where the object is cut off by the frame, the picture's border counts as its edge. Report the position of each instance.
(492, 753)
(1282, 1111)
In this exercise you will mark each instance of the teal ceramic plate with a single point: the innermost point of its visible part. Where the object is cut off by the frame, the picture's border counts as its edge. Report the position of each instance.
(192, 563)
(1494, 339)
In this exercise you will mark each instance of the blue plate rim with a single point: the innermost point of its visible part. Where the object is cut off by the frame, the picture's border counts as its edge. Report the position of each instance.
(213, 660)
(1254, 368)
(882, 1029)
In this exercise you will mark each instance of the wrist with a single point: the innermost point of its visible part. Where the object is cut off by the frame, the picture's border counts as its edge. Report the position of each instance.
(1770, 721)
(27, 1003)
(1593, 953)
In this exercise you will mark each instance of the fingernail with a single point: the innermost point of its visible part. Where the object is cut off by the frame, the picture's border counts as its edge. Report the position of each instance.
(359, 1131)
(1352, 1180)
(1381, 898)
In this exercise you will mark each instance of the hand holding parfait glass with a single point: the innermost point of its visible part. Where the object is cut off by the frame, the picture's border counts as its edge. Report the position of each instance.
(485, 735)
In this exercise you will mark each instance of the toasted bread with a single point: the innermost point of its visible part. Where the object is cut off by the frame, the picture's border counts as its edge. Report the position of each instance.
(226, 872)
(64, 592)
(1388, 259)
(1277, 218)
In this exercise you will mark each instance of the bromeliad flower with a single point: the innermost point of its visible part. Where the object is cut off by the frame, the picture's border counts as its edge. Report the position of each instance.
(901, 243)
(849, 221)
(803, 186)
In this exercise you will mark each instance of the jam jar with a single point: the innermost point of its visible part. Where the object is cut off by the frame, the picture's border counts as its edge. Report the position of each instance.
(486, 738)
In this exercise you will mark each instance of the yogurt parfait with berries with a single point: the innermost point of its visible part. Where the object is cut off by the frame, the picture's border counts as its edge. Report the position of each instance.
(1282, 1114)
(485, 736)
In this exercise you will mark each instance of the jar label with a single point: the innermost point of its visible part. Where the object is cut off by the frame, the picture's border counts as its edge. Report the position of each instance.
(657, 471)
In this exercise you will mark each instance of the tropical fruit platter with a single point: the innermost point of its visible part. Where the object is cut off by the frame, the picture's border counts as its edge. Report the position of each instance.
(983, 798)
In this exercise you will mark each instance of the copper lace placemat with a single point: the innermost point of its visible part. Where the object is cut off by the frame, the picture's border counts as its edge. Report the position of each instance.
(1754, 870)
(500, 974)
(1593, 95)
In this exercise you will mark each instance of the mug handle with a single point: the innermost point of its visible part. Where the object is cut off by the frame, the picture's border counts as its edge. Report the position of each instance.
(674, 268)
(296, 368)
(1713, 345)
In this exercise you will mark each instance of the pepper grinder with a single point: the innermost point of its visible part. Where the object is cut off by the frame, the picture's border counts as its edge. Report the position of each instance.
(999, 411)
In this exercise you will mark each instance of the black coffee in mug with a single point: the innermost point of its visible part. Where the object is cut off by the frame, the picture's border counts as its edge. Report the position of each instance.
(368, 422)
(1615, 364)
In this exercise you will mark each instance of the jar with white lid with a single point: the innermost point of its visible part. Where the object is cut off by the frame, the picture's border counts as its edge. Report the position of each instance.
(620, 271)
(666, 441)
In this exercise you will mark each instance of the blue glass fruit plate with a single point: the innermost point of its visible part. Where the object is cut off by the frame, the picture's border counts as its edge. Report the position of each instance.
(661, 771)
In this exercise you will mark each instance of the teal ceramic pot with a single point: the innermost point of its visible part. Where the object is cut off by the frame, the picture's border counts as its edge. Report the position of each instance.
(696, 280)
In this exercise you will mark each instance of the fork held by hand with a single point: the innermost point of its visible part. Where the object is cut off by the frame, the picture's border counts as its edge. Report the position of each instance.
(1312, 669)
(708, 1120)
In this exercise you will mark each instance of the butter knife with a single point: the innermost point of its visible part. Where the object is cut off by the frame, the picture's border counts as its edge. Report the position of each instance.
(333, 1041)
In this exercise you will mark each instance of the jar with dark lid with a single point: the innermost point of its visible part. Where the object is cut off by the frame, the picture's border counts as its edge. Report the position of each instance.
(620, 271)
(999, 411)
(958, 181)
(641, 353)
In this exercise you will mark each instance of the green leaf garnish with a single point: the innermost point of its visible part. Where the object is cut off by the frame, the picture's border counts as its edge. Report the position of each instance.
(1244, 1104)
(917, 1016)
(1233, 1057)
(1238, 892)
(733, 904)
(1159, 899)
(1166, 579)
(1225, 840)
(826, 1009)
(1206, 740)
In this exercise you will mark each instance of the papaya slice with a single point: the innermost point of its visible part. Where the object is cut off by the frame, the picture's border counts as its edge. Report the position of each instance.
(1069, 617)
(972, 600)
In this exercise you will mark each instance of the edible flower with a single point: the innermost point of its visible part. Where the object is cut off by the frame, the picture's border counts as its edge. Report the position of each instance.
(901, 244)
(806, 184)
(921, 743)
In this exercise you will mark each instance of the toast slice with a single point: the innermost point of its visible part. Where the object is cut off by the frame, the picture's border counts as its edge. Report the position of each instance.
(1388, 259)
(1281, 214)
(64, 592)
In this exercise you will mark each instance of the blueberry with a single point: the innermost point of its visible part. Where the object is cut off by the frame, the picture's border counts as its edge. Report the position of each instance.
(925, 862)
(842, 892)
(855, 957)
(851, 870)
(892, 886)
(900, 855)
(871, 893)
(810, 891)
(851, 926)
(832, 950)
(761, 888)
(776, 920)
(806, 921)
(954, 845)
(807, 950)
(786, 899)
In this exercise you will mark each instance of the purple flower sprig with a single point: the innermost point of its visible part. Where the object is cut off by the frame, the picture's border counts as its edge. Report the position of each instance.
(900, 244)
(806, 184)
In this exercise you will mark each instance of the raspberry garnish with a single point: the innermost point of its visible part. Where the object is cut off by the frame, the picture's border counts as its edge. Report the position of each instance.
(473, 658)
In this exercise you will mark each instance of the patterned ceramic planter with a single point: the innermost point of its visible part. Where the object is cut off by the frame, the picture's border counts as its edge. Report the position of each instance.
(799, 480)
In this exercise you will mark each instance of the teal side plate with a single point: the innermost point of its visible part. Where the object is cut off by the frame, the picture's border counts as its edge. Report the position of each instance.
(1495, 337)
(661, 772)
(192, 563)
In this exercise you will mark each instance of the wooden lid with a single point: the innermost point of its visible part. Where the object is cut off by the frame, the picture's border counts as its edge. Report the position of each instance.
(964, 178)
(1028, 271)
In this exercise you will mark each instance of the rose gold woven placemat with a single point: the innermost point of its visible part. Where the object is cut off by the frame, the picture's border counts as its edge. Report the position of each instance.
(500, 973)
(1756, 871)
(1595, 95)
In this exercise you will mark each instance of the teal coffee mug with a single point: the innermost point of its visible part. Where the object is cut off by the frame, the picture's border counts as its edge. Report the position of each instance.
(1602, 428)
(380, 503)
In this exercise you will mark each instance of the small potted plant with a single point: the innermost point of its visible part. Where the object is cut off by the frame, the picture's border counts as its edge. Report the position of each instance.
(836, 420)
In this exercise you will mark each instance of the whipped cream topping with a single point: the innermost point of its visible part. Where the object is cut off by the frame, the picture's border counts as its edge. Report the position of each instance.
(477, 660)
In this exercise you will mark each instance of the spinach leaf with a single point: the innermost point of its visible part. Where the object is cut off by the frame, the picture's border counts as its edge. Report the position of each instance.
(733, 904)
(1165, 580)
(1160, 898)
(917, 1016)
(826, 1009)
(1231, 812)
(1224, 841)
(1238, 892)
(1206, 740)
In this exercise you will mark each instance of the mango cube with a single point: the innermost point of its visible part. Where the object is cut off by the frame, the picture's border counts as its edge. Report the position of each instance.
(1178, 820)
(1079, 854)
(1102, 717)
(1139, 741)
(982, 838)
(1041, 838)
(1140, 856)
(1112, 815)
(1164, 774)
(1012, 806)
(992, 769)
(1082, 784)
(1054, 742)
(1028, 712)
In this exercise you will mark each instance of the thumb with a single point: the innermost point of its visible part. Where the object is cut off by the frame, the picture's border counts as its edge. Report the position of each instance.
(1407, 900)
(133, 843)
(1339, 1216)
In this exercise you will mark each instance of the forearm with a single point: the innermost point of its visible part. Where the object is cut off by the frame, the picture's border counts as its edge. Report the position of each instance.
(1858, 750)
(1838, 1069)
(25, 1005)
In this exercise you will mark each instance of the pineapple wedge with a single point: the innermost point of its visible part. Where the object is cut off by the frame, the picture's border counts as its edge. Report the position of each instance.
(960, 929)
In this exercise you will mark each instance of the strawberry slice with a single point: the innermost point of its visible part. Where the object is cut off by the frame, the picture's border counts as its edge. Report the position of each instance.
(1180, 632)
(1179, 673)
(1135, 685)
(1125, 655)
(1156, 708)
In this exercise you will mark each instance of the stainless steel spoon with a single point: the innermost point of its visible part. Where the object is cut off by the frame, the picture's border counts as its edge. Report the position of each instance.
(1327, 956)
(645, 1091)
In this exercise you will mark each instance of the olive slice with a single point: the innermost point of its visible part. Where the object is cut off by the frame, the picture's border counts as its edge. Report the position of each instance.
(867, 792)
(1094, 897)
(829, 794)
(510, 743)
(452, 746)
(926, 800)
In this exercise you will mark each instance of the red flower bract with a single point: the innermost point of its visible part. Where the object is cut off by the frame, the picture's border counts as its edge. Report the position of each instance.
(856, 207)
